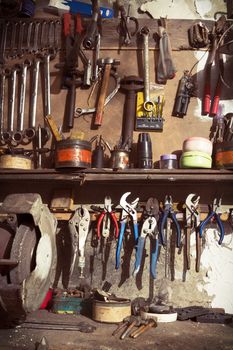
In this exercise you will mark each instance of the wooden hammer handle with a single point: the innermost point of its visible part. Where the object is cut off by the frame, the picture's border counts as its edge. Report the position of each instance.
(102, 96)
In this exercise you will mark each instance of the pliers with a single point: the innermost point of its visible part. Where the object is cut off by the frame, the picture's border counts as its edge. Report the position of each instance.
(192, 217)
(169, 212)
(105, 218)
(151, 216)
(128, 209)
(214, 213)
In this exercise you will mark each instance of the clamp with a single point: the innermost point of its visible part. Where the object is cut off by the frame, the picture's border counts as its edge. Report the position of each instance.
(214, 213)
(149, 229)
(79, 228)
(192, 222)
(104, 220)
(169, 212)
(128, 209)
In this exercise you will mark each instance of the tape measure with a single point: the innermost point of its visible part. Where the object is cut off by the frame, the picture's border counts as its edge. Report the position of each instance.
(53, 127)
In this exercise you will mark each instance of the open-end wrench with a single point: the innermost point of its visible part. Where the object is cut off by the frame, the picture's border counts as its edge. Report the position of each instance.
(81, 111)
(2, 95)
(20, 39)
(12, 48)
(28, 38)
(18, 134)
(3, 42)
(148, 104)
(30, 131)
(37, 26)
(7, 135)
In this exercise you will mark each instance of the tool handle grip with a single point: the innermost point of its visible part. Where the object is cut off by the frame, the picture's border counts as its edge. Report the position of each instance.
(119, 244)
(198, 252)
(102, 96)
(71, 109)
(221, 228)
(204, 222)
(206, 99)
(162, 227)
(135, 227)
(139, 252)
(114, 219)
(79, 28)
(154, 257)
(178, 231)
(187, 243)
(99, 224)
(215, 102)
(66, 23)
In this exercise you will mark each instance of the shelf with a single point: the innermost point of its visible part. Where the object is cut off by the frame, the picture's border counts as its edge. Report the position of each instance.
(109, 175)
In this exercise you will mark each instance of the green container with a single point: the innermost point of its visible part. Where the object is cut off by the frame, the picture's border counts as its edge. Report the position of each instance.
(71, 305)
(195, 159)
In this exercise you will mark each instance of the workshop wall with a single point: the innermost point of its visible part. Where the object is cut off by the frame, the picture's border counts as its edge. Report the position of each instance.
(212, 286)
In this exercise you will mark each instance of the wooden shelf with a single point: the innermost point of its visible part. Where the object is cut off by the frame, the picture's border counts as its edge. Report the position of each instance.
(109, 175)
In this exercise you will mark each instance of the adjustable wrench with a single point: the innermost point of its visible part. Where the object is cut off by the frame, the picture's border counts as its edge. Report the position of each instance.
(18, 134)
(148, 104)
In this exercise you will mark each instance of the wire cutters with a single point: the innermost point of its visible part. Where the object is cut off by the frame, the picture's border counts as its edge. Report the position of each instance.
(149, 229)
(214, 213)
(105, 218)
(128, 209)
(169, 212)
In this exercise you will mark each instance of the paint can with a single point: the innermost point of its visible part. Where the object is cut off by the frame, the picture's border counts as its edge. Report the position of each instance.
(195, 160)
(119, 159)
(223, 155)
(11, 161)
(112, 311)
(73, 153)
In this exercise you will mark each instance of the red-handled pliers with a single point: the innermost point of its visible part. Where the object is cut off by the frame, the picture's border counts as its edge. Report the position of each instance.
(105, 219)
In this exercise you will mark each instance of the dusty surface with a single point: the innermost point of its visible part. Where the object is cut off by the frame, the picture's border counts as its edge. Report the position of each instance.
(176, 335)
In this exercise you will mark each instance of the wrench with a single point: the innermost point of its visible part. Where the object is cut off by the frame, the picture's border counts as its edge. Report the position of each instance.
(20, 39)
(3, 42)
(30, 131)
(2, 95)
(7, 135)
(18, 135)
(148, 104)
(80, 111)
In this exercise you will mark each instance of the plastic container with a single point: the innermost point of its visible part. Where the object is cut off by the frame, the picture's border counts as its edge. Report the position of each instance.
(70, 305)
(199, 144)
(195, 160)
(168, 161)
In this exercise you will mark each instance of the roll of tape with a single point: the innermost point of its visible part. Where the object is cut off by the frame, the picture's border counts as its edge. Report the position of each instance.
(166, 317)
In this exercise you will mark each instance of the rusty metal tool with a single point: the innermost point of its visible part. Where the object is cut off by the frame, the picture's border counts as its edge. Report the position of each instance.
(107, 64)
(79, 228)
(18, 134)
(92, 29)
(192, 218)
(123, 27)
(149, 324)
(3, 42)
(133, 321)
(130, 85)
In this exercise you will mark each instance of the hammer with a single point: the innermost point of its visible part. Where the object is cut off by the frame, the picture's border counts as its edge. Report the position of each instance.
(107, 64)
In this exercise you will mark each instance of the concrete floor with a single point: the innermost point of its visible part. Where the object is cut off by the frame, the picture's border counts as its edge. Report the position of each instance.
(171, 336)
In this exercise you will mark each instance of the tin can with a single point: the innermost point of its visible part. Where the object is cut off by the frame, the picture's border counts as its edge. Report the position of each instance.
(73, 154)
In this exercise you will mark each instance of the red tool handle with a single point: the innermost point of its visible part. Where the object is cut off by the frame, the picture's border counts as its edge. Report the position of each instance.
(114, 219)
(66, 23)
(99, 224)
(206, 99)
(79, 28)
(215, 102)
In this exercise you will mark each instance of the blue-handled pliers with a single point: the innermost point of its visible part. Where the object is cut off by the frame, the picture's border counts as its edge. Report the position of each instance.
(169, 212)
(128, 209)
(214, 213)
(149, 228)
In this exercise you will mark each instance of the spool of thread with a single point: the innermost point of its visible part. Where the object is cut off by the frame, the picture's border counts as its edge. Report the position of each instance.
(144, 151)
(168, 161)
(27, 8)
